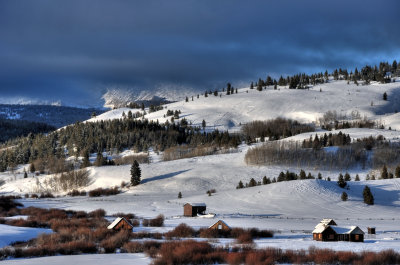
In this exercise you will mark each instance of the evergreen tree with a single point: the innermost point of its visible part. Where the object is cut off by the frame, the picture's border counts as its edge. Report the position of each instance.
(357, 178)
(265, 181)
(397, 172)
(367, 195)
(344, 196)
(240, 185)
(319, 175)
(251, 85)
(302, 174)
(203, 124)
(85, 161)
(25, 174)
(384, 172)
(135, 173)
(252, 182)
(32, 168)
(384, 96)
(341, 182)
(347, 177)
(180, 195)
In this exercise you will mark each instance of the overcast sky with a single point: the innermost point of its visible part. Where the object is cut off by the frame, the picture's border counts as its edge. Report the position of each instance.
(75, 50)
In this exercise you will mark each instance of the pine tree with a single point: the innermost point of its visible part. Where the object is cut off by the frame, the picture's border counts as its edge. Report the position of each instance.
(135, 173)
(240, 185)
(265, 181)
(397, 172)
(180, 195)
(384, 96)
(85, 161)
(25, 174)
(347, 177)
(302, 174)
(319, 175)
(344, 196)
(32, 168)
(341, 182)
(384, 173)
(357, 178)
(368, 197)
(203, 124)
(252, 182)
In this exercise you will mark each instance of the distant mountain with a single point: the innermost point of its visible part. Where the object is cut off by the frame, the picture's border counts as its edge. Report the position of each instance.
(57, 116)
(117, 98)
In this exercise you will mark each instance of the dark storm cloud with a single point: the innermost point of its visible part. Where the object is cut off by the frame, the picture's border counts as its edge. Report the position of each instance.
(74, 50)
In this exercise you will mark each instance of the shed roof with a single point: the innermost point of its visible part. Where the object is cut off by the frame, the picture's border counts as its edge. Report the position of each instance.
(320, 228)
(347, 230)
(116, 221)
(197, 204)
(218, 222)
(327, 221)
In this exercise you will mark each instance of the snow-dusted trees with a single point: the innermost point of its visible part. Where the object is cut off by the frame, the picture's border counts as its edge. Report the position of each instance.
(341, 182)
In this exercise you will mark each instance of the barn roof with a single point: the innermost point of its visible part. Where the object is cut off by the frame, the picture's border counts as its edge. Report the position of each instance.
(327, 221)
(320, 228)
(198, 204)
(116, 221)
(338, 229)
(347, 230)
(219, 221)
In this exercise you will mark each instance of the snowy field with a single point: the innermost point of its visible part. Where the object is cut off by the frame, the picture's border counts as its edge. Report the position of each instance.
(10, 234)
(97, 259)
(291, 209)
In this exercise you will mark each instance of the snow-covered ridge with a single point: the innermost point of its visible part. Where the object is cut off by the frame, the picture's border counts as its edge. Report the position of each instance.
(228, 112)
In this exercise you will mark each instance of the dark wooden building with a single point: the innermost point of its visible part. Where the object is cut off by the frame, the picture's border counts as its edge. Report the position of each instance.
(193, 209)
(120, 223)
(220, 226)
(323, 232)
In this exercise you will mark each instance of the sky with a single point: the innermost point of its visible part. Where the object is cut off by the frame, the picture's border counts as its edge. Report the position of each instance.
(74, 51)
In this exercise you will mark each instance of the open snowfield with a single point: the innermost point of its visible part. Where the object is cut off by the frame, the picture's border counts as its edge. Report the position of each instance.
(229, 112)
(291, 209)
(10, 234)
(97, 259)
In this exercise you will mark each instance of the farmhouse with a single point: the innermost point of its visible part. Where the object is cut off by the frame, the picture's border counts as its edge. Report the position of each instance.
(120, 223)
(327, 230)
(193, 209)
(220, 226)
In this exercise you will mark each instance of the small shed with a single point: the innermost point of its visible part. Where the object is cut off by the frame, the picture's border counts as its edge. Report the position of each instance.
(371, 230)
(193, 209)
(120, 223)
(220, 226)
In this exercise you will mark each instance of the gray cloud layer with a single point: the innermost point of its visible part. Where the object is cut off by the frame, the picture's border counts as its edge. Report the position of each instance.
(74, 50)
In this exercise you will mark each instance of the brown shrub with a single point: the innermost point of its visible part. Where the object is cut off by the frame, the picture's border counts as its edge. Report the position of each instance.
(235, 258)
(127, 216)
(128, 160)
(115, 241)
(209, 233)
(133, 247)
(105, 192)
(99, 213)
(244, 238)
(158, 221)
(182, 230)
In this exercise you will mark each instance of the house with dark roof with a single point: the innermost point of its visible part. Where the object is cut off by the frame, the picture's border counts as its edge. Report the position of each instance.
(327, 230)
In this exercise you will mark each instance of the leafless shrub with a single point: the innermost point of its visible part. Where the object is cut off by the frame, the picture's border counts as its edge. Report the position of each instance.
(128, 160)
(105, 192)
(180, 152)
(182, 230)
(292, 154)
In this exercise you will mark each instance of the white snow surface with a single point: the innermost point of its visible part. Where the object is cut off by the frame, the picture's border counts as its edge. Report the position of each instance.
(292, 209)
(95, 259)
(10, 234)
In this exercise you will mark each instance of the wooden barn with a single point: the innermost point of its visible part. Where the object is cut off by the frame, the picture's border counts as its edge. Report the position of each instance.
(220, 226)
(332, 232)
(193, 209)
(120, 223)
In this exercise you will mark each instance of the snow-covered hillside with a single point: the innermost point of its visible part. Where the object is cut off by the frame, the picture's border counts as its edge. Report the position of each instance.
(290, 208)
(228, 112)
